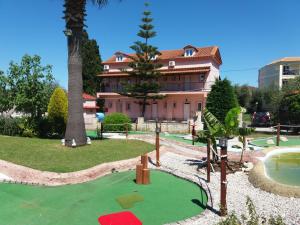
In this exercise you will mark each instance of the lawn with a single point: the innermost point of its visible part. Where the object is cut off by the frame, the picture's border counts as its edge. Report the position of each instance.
(79, 204)
(49, 155)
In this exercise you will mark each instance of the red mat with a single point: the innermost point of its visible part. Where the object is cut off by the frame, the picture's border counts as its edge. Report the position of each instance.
(120, 218)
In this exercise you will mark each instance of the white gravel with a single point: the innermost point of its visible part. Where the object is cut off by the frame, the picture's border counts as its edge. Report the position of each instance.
(237, 191)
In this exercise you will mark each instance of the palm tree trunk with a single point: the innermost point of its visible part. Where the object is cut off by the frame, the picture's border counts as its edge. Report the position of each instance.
(75, 125)
(74, 15)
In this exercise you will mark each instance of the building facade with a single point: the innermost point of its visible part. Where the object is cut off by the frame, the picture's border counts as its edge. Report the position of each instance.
(278, 73)
(89, 111)
(187, 77)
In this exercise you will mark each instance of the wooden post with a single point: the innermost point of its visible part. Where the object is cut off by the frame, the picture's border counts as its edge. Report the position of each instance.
(193, 134)
(146, 176)
(278, 135)
(144, 160)
(126, 127)
(136, 126)
(157, 130)
(101, 130)
(139, 174)
(223, 209)
(208, 160)
(189, 129)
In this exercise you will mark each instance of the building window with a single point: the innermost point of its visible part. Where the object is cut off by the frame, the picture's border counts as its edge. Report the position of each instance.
(128, 106)
(165, 105)
(174, 105)
(165, 78)
(286, 70)
(285, 82)
(174, 78)
(189, 52)
(199, 106)
(119, 58)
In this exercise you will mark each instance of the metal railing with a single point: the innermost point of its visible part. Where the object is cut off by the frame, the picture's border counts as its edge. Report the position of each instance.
(166, 86)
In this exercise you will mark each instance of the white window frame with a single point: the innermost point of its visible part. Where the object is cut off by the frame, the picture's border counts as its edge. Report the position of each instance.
(189, 52)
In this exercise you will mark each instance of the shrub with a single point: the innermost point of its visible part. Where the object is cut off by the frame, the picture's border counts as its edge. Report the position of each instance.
(45, 128)
(10, 126)
(121, 120)
(58, 111)
(221, 99)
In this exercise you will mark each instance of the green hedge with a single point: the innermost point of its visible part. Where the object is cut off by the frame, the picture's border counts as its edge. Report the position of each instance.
(10, 126)
(116, 122)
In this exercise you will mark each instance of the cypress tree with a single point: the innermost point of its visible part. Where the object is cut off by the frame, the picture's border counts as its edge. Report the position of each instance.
(221, 99)
(144, 66)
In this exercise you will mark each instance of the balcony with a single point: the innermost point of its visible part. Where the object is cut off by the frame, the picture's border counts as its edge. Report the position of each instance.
(291, 72)
(166, 86)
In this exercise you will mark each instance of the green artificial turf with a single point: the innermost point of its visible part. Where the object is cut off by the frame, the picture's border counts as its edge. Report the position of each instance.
(177, 137)
(167, 199)
(49, 155)
(292, 141)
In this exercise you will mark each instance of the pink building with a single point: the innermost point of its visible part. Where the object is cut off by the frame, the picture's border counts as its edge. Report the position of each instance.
(187, 77)
(89, 111)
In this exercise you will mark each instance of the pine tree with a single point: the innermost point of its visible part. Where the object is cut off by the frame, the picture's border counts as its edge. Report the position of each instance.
(91, 64)
(221, 99)
(144, 66)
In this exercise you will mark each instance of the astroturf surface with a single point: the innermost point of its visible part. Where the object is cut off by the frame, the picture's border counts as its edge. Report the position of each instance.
(292, 141)
(167, 199)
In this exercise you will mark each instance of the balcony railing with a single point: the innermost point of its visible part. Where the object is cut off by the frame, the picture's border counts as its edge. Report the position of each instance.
(291, 72)
(166, 86)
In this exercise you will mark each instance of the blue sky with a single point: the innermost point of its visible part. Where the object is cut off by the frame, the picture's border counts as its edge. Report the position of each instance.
(250, 33)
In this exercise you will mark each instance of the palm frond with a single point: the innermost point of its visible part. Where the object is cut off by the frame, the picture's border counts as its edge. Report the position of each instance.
(214, 126)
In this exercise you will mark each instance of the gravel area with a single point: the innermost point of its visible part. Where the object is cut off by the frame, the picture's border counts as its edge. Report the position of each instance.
(237, 191)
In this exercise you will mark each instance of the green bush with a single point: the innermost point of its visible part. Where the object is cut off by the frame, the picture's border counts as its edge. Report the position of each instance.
(58, 111)
(221, 99)
(121, 120)
(10, 126)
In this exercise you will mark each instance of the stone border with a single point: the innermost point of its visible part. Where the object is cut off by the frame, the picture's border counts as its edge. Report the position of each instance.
(258, 178)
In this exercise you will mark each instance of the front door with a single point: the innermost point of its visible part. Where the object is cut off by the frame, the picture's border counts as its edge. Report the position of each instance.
(186, 111)
(119, 107)
(154, 111)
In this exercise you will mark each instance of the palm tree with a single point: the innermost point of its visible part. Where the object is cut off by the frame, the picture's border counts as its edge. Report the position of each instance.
(230, 128)
(74, 15)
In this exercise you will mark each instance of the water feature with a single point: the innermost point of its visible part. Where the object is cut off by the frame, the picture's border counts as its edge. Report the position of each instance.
(283, 166)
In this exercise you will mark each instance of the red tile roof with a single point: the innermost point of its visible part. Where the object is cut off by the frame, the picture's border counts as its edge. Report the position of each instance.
(86, 96)
(201, 53)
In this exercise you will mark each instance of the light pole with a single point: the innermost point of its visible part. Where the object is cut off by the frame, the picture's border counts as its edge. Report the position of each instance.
(223, 144)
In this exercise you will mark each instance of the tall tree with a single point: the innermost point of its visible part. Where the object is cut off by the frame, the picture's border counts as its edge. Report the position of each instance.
(221, 99)
(91, 65)
(29, 86)
(5, 104)
(144, 66)
(74, 15)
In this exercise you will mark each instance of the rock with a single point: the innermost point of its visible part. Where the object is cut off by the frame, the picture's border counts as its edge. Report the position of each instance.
(284, 139)
(270, 142)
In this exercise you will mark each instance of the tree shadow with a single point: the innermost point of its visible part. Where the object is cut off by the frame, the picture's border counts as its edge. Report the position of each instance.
(200, 163)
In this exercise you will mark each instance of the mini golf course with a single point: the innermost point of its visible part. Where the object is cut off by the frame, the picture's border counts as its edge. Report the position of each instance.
(167, 199)
(292, 141)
